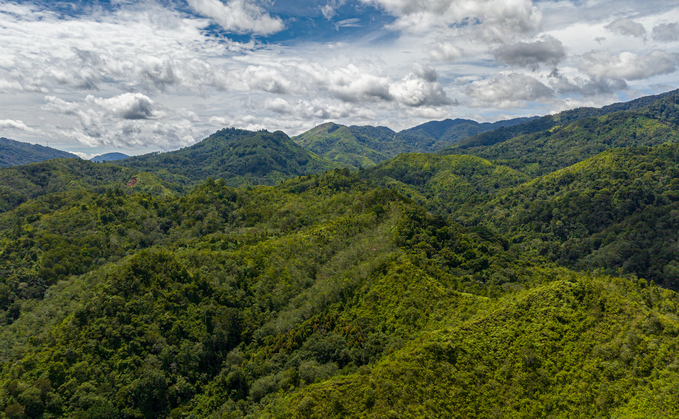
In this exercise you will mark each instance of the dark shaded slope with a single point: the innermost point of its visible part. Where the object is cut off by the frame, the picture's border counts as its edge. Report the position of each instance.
(15, 153)
(546, 123)
(566, 143)
(237, 156)
(618, 211)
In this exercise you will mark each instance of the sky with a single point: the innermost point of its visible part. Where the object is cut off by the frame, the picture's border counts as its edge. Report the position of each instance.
(93, 76)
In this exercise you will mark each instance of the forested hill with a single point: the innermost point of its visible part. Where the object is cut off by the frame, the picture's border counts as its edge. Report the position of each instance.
(566, 143)
(363, 146)
(15, 153)
(239, 157)
(550, 121)
(322, 296)
(20, 184)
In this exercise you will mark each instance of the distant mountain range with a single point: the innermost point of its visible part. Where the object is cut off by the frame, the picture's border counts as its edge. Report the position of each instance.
(103, 158)
(363, 146)
(15, 153)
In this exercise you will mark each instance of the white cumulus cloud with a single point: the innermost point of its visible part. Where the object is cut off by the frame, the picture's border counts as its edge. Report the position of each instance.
(627, 65)
(239, 16)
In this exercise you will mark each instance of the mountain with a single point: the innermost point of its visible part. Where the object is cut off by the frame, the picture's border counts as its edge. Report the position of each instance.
(546, 123)
(563, 145)
(351, 146)
(428, 285)
(239, 157)
(109, 157)
(15, 153)
(364, 146)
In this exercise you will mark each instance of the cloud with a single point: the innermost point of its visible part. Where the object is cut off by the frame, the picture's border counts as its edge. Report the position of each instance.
(420, 88)
(239, 16)
(348, 23)
(15, 125)
(627, 65)
(329, 10)
(626, 27)
(496, 18)
(507, 90)
(265, 78)
(585, 87)
(666, 32)
(127, 106)
(548, 51)
(445, 51)
(121, 121)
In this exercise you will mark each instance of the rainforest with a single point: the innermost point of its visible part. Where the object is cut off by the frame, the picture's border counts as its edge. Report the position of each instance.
(523, 269)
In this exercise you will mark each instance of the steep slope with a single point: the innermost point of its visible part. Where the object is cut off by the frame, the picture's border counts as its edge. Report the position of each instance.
(21, 183)
(15, 153)
(618, 211)
(343, 145)
(444, 183)
(562, 146)
(228, 295)
(548, 122)
(578, 347)
(237, 156)
(109, 157)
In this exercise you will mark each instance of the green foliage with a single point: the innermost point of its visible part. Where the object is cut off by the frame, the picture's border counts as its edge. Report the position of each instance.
(364, 146)
(22, 183)
(565, 143)
(616, 212)
(442, 183)
(577, 347)
(237, 156)
(15, 153)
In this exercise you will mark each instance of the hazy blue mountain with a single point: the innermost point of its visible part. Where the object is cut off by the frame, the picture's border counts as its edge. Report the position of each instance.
(109, 157)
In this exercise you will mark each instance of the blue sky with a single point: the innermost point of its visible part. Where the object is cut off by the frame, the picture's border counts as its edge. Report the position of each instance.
(139, 76)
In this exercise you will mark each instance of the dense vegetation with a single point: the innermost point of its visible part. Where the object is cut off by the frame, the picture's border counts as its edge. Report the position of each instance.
(364, 146)
(546, 123)
(15, 153)
(426, 286)
(237, 156)
(22, 183)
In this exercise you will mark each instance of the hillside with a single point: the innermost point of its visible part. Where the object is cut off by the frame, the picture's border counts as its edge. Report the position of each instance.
(548, 122)
(22, 183)
(364, 146)
(616, 211)
(237, 156)
(564, 145)
(576, 347)
(443, 183)
(164, 306)
(16, 153)
(320, 297)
